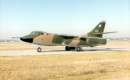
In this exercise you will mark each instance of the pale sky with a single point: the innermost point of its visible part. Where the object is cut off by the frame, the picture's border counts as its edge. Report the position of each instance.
(76, 17)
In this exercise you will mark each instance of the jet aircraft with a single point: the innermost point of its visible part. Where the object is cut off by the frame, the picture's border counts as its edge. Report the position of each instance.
(90, 39)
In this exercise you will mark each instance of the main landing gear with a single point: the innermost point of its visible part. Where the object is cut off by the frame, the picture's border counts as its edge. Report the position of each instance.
(78, 48)
(67, 48)
(39, 49)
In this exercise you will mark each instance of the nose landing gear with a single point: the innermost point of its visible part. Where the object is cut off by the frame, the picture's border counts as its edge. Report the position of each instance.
(39, 49)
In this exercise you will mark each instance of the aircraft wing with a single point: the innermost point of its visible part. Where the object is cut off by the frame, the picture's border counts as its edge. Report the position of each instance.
(67, 36)
(89, 37)
(15, 37)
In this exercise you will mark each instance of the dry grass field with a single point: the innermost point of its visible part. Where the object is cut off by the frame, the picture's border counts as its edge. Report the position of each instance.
(83, 66)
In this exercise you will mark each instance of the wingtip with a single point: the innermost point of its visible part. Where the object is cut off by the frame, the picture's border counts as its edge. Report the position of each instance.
(103, 21)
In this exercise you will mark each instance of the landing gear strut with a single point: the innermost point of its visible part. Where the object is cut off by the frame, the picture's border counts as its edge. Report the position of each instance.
(39, 49)
(78, 48)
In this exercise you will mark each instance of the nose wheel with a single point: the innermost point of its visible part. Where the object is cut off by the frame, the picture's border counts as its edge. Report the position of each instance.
(39, 49)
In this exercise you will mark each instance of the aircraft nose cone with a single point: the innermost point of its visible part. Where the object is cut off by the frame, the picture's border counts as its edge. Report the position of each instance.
(30, 40)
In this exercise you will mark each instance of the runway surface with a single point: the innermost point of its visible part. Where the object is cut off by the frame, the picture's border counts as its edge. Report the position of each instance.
(45, 52)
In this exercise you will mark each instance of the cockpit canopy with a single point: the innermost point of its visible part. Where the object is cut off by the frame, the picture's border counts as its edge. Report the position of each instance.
(36, 33)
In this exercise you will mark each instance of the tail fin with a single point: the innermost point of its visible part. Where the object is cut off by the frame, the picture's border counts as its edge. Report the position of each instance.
(98, 30)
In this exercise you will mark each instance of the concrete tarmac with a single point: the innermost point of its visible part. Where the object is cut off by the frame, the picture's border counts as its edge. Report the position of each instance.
(46, 52)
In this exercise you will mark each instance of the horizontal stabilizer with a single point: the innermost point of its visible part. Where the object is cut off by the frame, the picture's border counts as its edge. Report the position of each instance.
(106, 32)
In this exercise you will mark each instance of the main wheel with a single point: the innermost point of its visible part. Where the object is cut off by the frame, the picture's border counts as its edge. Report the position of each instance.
(67, 48)
(39, 49)
(78, 49)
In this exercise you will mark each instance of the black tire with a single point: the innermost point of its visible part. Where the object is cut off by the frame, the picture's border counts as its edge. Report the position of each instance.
(78, 49)
(67, 48)
(39, 49)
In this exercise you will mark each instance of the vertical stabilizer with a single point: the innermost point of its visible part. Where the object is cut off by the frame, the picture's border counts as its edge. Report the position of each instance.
(98, 30)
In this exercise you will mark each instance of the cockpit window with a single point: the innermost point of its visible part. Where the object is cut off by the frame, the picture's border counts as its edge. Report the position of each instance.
(36, 33)
(33, 32)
